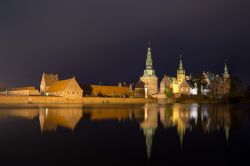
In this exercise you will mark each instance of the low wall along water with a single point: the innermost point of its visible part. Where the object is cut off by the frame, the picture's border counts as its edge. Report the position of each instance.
(59, 100)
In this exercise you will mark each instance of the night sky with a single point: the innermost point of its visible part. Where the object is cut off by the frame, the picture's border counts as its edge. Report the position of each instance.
(106, 40)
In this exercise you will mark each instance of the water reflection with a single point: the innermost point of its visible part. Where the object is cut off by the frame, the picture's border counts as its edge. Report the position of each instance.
(150, 124)
(182, 117)
(208, 118)
(51, 118)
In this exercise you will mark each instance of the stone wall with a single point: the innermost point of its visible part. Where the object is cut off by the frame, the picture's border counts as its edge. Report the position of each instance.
(59, 100)
(109, 90)
(99, 100)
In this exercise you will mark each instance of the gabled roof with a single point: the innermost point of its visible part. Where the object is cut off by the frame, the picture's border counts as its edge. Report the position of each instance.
(59, 85)
(49, 79)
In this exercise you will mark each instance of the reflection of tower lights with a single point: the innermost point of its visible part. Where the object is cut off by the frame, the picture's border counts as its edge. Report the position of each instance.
(146, 111)
(46, 112)
(146, 114)
(227, 130)
(194, 112)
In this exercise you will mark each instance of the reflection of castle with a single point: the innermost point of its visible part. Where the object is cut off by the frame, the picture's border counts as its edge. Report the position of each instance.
(183, 117)
(51, 118)
(149, 125)
(109, 114)
(208, 118)
(20, 113)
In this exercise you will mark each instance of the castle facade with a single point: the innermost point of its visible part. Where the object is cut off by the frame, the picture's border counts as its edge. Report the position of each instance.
(207, 84)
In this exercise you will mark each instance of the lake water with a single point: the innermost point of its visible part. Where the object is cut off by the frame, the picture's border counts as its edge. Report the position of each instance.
(149, 134)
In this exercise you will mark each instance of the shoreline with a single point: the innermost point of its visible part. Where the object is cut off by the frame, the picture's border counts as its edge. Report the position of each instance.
(8, 100)
(20, 100)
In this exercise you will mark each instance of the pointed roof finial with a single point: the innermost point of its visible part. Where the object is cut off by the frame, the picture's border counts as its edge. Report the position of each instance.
(225, 68)
(180, 64)
(148, 43)
(226, 74)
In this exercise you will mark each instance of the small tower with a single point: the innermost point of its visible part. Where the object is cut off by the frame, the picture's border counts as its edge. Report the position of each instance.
(180, 72)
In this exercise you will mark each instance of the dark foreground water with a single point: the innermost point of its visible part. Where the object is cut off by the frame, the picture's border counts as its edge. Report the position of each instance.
(151, 134)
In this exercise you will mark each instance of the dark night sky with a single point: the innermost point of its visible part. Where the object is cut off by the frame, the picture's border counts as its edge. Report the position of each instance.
(106, 40)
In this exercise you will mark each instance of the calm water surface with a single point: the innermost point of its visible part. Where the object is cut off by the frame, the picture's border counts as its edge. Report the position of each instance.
(149, 134)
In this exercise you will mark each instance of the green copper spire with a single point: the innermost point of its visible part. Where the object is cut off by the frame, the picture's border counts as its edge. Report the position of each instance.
(149, 63)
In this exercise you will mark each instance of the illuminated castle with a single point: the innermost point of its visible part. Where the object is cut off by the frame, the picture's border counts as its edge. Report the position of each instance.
(179, 84)
(186, 85)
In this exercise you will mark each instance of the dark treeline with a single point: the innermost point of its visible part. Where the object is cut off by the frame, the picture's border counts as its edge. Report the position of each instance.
(238, 91)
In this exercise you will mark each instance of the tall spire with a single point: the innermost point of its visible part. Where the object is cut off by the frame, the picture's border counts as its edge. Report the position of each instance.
(149, 63)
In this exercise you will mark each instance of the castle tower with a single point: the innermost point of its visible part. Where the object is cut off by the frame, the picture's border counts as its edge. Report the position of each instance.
(226, 80)
(149, 78)
(180, 72)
